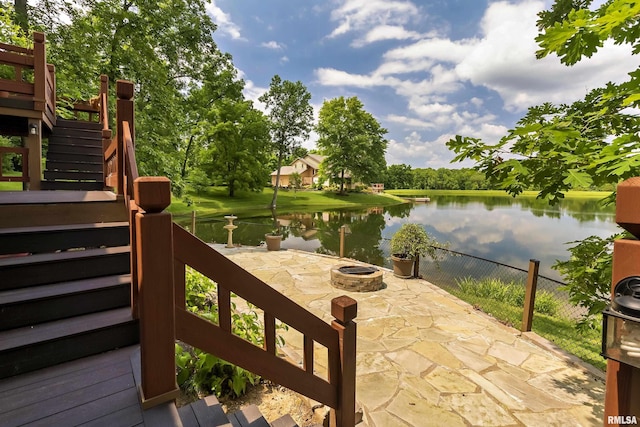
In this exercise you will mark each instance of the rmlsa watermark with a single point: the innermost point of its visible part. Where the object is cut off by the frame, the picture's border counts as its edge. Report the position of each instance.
(622, 420)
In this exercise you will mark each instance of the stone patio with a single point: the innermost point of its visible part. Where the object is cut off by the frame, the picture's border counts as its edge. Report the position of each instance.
(426, 358)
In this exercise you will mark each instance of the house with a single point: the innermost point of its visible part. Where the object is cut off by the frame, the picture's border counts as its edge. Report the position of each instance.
(308, 168)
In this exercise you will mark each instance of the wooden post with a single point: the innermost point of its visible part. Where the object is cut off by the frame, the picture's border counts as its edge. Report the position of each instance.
(39, 71)
(530, 295)
(193, 222)
(345, 309)
(34, 143)
(622, 391)
(104, 101)
(154, 247)
(133, 259)
(124, 113)
(343, 229)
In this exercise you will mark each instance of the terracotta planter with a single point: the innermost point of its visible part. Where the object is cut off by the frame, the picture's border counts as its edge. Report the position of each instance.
(402, 267)
(273, 242)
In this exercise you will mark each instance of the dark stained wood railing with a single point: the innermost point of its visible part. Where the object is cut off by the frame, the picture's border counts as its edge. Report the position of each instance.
(33, 86)
(24, 153)
(160, 252)
(166, 249)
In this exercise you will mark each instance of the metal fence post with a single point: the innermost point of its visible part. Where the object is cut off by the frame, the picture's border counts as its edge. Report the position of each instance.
(530, 296)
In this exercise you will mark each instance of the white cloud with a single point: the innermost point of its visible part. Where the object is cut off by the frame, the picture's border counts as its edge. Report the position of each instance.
(284, 60)
(272, 45)
(361, 15)
(432, 154)
(386, 32)
(223, 21)
(504, 60)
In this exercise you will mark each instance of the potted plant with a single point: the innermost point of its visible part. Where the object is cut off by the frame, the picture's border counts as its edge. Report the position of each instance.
(409, 242)
(274, 238)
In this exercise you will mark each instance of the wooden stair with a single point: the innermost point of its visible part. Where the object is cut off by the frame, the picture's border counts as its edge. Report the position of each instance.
(209, 412)
(64, 294)
(74, 156)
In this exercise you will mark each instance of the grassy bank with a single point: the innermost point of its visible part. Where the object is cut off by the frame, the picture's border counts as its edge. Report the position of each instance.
(215, 200)
(492, 193)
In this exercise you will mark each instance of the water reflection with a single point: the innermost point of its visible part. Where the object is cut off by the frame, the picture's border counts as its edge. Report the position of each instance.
(510, 231)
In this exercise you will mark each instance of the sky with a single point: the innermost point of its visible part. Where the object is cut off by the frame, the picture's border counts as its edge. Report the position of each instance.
(427, 70)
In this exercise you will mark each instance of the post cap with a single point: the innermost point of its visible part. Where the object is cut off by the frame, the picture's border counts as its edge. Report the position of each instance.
(38, 37)
(152, 193)
(628, 205)
(344, 308)
(124, 89)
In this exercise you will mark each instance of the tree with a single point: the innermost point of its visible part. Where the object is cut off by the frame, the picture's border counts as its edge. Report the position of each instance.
(352, 139)
(295, 179)
(398, 176)
(290, 116)
(166, 48)
(592, 142)
(237, 140)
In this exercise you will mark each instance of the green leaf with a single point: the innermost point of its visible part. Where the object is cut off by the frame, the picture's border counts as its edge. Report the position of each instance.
(576, 178)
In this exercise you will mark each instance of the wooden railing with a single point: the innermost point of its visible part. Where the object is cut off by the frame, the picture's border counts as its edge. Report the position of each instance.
(160, 252)
(37, 92)
(24, 153)
(163, 250)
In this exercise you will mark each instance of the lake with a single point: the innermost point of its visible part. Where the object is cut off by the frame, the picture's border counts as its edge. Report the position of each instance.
(502, 229)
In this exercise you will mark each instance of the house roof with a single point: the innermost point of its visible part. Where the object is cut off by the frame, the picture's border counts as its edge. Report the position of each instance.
(311, 160)
(285, 170)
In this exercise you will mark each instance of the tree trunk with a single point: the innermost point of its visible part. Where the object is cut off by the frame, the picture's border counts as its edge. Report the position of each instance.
(232, 187)
(183, 172)
(21, 18)
(342, 182)
(275, 190)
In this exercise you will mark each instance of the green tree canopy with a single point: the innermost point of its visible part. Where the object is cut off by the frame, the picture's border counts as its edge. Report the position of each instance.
(591, 142)
(237, 142)
(353, 141)
(398, 176)
(290, 116)
(166, 48)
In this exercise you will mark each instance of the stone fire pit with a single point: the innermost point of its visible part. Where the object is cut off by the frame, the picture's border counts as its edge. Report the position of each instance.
(357, 278)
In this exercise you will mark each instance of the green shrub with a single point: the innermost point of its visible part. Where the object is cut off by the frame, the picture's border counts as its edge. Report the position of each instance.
(204, 373)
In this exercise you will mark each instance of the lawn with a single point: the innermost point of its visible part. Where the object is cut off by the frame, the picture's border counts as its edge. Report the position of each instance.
(215, 200)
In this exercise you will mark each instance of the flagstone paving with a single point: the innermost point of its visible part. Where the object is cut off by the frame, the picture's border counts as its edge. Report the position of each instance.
(425, 358)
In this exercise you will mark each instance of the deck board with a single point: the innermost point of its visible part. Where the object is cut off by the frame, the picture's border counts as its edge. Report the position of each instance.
(44, 197)
(93, 391)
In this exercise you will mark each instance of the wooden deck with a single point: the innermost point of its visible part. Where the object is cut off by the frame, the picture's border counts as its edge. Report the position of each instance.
(94, 391)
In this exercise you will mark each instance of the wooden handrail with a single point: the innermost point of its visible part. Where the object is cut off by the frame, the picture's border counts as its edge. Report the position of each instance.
(218, 340)
(160, 253)
(18, 49)
(24, 153)
(131, 166)
(42, 90)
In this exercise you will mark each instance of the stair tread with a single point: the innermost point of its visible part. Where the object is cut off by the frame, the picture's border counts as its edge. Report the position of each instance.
(209, 412)
(29, 335)
(57, 257)
(49, 228)
(248, 416)
(284, 421)
(76, 124)
(15, 296)
(48, 197)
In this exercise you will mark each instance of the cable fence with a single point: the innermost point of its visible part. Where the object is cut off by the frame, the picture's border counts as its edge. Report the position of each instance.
(495, 288)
